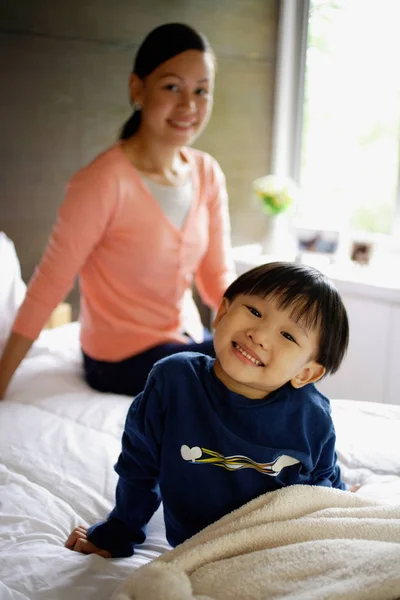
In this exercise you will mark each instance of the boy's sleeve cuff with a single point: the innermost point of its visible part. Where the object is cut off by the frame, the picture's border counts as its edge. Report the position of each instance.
(112, 536)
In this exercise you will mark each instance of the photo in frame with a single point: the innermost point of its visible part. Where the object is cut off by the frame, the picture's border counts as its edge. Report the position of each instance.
(317, 240)
(361, 251)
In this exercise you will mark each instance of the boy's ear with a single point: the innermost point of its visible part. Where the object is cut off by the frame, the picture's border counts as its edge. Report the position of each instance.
(136, 89)
(310, 373)
(222, 310)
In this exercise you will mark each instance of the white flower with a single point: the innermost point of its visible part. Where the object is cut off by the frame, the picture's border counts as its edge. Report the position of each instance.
(276, 193)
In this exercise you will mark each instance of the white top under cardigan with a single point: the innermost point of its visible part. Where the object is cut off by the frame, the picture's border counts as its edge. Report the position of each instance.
(175, 202)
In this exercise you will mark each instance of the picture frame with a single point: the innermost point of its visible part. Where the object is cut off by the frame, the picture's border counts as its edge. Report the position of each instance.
(361, 251)
(318, 241)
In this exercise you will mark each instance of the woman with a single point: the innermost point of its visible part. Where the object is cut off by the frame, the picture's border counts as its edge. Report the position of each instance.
(137, 224)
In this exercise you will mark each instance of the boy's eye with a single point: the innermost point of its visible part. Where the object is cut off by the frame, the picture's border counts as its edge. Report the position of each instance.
(254, 311)
(172, 87)
(201, 92)
(288, 336)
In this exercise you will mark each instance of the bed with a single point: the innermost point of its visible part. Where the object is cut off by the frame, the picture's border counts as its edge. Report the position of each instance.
(58, 443)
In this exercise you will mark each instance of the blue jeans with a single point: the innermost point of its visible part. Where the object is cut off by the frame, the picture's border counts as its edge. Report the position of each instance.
(129, 376)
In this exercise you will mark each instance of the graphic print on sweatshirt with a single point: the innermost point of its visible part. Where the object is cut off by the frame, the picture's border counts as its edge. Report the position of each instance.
(199, 455)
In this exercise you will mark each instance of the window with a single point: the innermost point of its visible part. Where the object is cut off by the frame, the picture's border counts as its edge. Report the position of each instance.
(341, 136)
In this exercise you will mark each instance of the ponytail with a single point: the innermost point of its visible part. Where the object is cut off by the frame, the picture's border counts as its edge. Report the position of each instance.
(131, 126)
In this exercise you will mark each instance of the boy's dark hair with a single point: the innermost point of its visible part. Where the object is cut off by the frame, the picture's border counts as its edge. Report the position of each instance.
(161, 44)
(313, 298)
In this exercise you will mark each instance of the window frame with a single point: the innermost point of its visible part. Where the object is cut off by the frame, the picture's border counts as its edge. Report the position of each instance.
(289, 96)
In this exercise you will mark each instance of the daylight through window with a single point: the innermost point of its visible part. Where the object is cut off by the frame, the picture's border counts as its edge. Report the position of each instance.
(349, 163)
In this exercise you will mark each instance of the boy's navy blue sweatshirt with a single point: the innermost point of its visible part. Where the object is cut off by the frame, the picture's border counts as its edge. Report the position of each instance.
(206, 451)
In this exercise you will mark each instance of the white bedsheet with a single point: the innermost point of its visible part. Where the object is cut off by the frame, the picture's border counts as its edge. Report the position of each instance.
(58, 442)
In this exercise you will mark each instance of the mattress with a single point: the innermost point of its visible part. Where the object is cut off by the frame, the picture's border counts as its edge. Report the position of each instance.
(59, 441)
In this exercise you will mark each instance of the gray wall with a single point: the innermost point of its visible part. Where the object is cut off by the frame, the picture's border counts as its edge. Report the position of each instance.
(64, 68)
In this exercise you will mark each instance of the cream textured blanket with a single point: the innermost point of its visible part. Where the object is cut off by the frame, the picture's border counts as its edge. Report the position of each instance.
(298, 543)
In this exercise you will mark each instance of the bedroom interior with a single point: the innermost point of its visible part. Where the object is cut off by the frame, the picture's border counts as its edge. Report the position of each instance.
(64, 85)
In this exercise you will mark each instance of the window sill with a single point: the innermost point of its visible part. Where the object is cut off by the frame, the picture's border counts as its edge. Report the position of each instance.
(375, 281)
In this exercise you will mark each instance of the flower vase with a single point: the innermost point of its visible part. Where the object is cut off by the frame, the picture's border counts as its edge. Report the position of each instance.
(278, 240)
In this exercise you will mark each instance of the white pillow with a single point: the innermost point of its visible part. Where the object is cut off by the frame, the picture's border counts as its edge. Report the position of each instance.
(12, 287)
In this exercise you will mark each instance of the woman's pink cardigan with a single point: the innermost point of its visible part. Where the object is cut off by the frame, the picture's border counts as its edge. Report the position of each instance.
(134, 265)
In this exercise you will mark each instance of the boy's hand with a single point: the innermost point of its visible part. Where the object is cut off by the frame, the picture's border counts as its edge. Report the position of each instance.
(77, 541)
(354, 488)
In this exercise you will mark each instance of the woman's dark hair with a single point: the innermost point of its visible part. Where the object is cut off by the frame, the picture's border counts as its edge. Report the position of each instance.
(313, 298)
(160, 45)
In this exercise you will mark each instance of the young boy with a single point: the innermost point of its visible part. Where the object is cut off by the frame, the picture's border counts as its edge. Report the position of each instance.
(208, 435)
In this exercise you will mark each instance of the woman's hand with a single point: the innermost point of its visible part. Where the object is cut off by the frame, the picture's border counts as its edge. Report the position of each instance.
(15, 351)
(77, 541)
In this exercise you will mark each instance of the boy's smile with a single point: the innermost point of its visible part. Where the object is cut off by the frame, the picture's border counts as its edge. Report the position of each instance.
(260, 347)
(246, 355)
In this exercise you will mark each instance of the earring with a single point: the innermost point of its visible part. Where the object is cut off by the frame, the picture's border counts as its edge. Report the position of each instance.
(135, 105)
